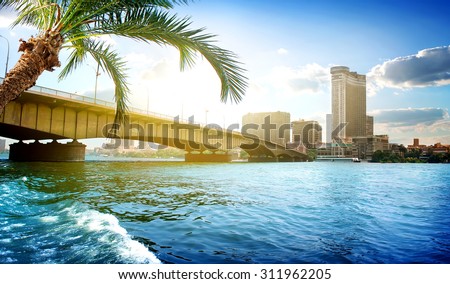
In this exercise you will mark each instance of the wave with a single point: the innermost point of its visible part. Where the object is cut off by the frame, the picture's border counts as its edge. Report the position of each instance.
(38, 227)
(108, 231)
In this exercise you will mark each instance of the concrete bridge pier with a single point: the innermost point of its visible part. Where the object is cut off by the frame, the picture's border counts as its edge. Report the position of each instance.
(49, 152)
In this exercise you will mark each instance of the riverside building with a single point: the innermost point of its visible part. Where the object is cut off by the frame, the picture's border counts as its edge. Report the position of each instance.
(348, 103)
(270, 126)
(307, 132)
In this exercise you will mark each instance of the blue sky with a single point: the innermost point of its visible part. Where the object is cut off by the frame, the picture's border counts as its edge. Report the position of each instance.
(287, 48)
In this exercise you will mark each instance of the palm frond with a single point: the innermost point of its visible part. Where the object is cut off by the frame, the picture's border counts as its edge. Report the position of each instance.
(154, 25)
(144, 20)
(110, 62)
(39, 13)
(76, 58)
(127, 4)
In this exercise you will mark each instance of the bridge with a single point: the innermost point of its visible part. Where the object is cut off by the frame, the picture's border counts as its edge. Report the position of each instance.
(42, 113)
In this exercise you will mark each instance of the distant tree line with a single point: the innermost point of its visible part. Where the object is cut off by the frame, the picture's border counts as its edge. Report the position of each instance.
(412, 156)
(162, 153)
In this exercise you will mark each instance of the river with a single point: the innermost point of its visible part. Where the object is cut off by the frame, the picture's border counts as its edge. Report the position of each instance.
(176, 212)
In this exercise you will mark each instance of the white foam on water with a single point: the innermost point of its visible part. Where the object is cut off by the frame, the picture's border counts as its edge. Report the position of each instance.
(12, 226)
(10, 260)
(6, 191)
(125, 246)
(24, 178)
(5, 252)
(136, 250)
(48, 253)
(49, 219)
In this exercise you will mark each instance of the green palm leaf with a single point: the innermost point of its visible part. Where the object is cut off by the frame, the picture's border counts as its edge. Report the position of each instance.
(108, 60)
(79, 22)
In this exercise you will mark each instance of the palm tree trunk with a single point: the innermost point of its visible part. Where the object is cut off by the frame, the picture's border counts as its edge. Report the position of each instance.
(39, 54)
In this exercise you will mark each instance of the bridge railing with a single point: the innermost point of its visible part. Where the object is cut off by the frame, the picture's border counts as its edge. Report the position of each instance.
(76, 97)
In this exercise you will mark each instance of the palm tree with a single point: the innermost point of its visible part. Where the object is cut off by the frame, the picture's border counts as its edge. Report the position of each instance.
(76, 25)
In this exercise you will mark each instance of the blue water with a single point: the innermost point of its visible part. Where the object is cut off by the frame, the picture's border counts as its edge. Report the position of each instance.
(175, 212)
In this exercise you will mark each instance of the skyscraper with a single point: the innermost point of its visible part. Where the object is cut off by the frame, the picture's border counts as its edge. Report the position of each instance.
(348, 102)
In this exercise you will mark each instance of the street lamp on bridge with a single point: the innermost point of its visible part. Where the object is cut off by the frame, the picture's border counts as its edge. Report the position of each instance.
(97, 73)
(7, 54)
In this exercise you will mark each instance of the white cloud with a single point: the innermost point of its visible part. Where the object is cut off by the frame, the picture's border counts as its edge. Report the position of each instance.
(429, 67)
(158, 83)
(108, 39)
(161, 70)
(282, 51)
(196, 90)
(173, 92)
(431, 125)
(431, 140)
(8, 16)
(6, 21)
(308, 79)
(409, 116)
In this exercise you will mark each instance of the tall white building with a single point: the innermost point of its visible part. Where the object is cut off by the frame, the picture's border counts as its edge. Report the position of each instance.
(348, 102)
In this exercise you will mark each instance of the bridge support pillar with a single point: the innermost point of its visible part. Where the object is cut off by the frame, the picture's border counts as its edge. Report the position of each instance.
(50, 152)
(209, 158)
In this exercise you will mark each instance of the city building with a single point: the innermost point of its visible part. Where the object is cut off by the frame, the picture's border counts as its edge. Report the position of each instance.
(307, 132)
(348, 102)
(329, 121)
(363, 147)
(438, 148)
(270, 126)
(335, 150)
(397, 149)
(416, 145)
(297, 147)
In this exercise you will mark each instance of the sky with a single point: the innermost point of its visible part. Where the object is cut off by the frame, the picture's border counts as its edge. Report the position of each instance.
(287, 48)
